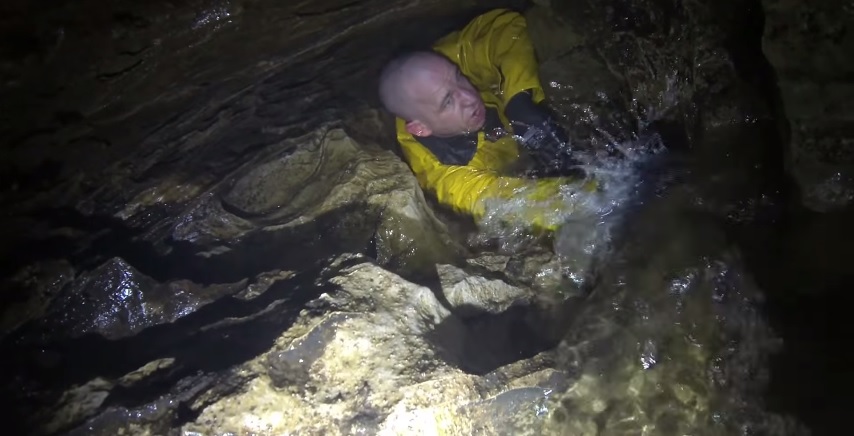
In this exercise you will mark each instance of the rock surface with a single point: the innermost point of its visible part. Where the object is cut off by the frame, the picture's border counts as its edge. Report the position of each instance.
(808, 44)
(362, 357)
(648, 73)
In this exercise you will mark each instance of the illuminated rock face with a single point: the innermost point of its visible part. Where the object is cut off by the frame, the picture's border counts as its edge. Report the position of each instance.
(369, 353)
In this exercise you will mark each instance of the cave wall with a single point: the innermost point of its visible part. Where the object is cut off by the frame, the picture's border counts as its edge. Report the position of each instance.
(123, 93)
(809, 45)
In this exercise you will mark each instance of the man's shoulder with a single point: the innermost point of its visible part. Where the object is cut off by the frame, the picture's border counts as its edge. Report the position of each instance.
(482, 23)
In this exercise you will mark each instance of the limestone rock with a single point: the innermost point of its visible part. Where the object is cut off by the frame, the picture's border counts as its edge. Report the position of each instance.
(363, 193)
(85, 400)
(369, 372)
(361, 358)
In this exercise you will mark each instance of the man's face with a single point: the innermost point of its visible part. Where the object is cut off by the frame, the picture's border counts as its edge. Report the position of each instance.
(443, 100)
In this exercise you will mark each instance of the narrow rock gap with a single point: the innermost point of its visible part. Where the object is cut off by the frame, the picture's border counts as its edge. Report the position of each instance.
(257, 252)
(216, 337)
(804, 374)
(495, 340)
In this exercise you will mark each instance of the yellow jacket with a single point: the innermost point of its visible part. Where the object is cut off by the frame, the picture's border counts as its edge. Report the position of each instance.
(495, 53)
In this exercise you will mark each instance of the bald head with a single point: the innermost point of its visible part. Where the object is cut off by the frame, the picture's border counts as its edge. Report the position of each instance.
(431, 94)
(397, 77)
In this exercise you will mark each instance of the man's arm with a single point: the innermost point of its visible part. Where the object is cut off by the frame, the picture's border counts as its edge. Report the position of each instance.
(495, 51)
(467, 189)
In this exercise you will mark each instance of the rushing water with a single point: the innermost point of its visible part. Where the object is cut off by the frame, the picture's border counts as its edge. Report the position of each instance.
(673, 338)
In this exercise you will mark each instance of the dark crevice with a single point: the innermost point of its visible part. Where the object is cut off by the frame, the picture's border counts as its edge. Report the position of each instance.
(218, 336)
(256, 252)
(30, 135)
(134, 52)
(492, 340)
(808, 375)
(113, 74)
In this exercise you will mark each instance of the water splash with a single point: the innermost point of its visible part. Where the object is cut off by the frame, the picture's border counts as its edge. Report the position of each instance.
(584, 218)
(672, 340)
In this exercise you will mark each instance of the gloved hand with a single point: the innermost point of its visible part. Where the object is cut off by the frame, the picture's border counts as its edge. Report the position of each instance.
(547, 143)
(538, 132)
(546, 208)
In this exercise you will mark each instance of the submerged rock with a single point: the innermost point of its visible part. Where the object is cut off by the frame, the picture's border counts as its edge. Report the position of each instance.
(672, 340)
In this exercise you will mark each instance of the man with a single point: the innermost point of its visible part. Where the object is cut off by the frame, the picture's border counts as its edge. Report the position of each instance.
(461, 109)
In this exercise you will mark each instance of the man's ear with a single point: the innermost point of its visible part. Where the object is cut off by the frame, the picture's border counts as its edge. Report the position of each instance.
(417, 128)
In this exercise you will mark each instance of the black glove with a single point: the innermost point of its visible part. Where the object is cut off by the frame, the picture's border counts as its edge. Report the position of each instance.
(539, 133)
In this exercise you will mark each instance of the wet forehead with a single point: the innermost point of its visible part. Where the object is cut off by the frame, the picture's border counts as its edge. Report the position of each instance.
(431, 81)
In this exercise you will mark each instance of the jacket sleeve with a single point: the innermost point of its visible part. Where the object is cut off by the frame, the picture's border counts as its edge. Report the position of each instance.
(467, 189)
(495, 51)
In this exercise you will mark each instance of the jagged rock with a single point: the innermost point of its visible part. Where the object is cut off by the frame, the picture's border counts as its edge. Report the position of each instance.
(364, 372)
(85, 400)
(475, 295)
(361, 360)
(116, 300)
(809, 46)
(325, 178)
(629, 65)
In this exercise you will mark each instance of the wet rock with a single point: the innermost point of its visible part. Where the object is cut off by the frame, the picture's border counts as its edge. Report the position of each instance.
(470, 294)
(808, 45)
(263, 282)
(78, 403)
(234, 168)
(668, 338)
(291, 366)
(360, 358)
(85, 400)
(640, 74)
(116, 300)
(152, 418)
(579, 85)
(133, 104)
(643, 64)
(365, 194)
